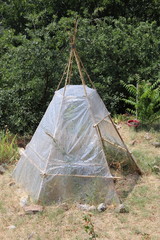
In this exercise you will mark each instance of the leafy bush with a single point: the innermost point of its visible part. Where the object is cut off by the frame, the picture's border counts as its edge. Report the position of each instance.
(32, 63)
(145, 100)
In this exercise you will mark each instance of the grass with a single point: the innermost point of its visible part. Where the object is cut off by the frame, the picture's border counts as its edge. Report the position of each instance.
(56, 223)
(8, 147)
(55, 215)
(145, 153)
(141, 223)
(2, 207)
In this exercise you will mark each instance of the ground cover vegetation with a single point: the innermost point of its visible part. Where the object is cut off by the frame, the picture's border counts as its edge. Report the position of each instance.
(66, 221)
(8, 147)
(117, 41)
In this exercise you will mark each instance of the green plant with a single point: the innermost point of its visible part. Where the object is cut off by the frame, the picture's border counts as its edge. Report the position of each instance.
(120, 118)
(8, 147)
(144, 99)
(155, 165)
(89, 227)
(34, 52)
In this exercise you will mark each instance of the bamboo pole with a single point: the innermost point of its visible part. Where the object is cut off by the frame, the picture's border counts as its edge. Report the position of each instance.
(44, 174)
(70, 73)
(101, 121)
(124, 149)
(80, 65)
(62, 77)
(30, 160)
(129, 153)
(75, 33)
(68, 70)
(137, 96)
(101, 139)
(69, 64)
(80, 72)
(82, 176)
(85, 71)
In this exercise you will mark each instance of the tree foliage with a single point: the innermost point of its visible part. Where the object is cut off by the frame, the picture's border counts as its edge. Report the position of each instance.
(116, 40)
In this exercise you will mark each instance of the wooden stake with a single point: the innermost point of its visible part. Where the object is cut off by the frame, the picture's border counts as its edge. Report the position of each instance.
(101, 121)
(68, 70)
(129, 153)
(85, 71)
(62, 76)
(115, 145)
(82, 176)
(80, 72)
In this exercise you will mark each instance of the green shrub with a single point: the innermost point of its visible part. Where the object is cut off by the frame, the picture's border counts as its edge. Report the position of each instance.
(144, 99)
(32, 64)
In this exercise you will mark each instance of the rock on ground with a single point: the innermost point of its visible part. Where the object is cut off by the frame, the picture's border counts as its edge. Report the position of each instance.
(101, 207)
(121, 208)
(2, 170)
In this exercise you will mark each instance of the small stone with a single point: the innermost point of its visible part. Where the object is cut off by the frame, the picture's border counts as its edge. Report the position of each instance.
(23, 201)
(121, 209)
(11, 183)
(30, 235)
(11, 227)
(21, 214)
(86, 207)
(32, 209)
(2, 170)
(101, 207)
(133, 142)
(118, 126)
(92, 208)
(21, 151)
(64, 206)
(156, 144)
(156, 169)
(147, 136)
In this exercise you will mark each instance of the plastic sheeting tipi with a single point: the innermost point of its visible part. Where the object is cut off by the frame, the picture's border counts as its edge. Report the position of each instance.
(66, 158)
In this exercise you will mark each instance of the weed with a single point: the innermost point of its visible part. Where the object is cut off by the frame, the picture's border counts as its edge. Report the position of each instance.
(8, 147)
(155, 165)
(120, 118)
(146, 236)
(137, 231)
(89, 227)
(38, 238)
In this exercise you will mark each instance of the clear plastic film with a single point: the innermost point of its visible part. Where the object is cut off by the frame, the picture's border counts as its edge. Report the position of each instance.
(65, 159)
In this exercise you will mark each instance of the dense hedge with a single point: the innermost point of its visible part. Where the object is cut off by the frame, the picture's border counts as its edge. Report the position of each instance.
(34, 55)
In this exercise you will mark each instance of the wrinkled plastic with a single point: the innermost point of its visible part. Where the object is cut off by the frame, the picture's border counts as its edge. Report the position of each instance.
(65, 158)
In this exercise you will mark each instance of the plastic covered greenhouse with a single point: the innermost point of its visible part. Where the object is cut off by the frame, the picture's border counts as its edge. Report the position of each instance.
(74, 148)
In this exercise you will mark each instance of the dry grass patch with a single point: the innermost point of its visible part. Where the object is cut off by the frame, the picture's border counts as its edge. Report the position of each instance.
(142, 222)
(56, 223)
(140, 143)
